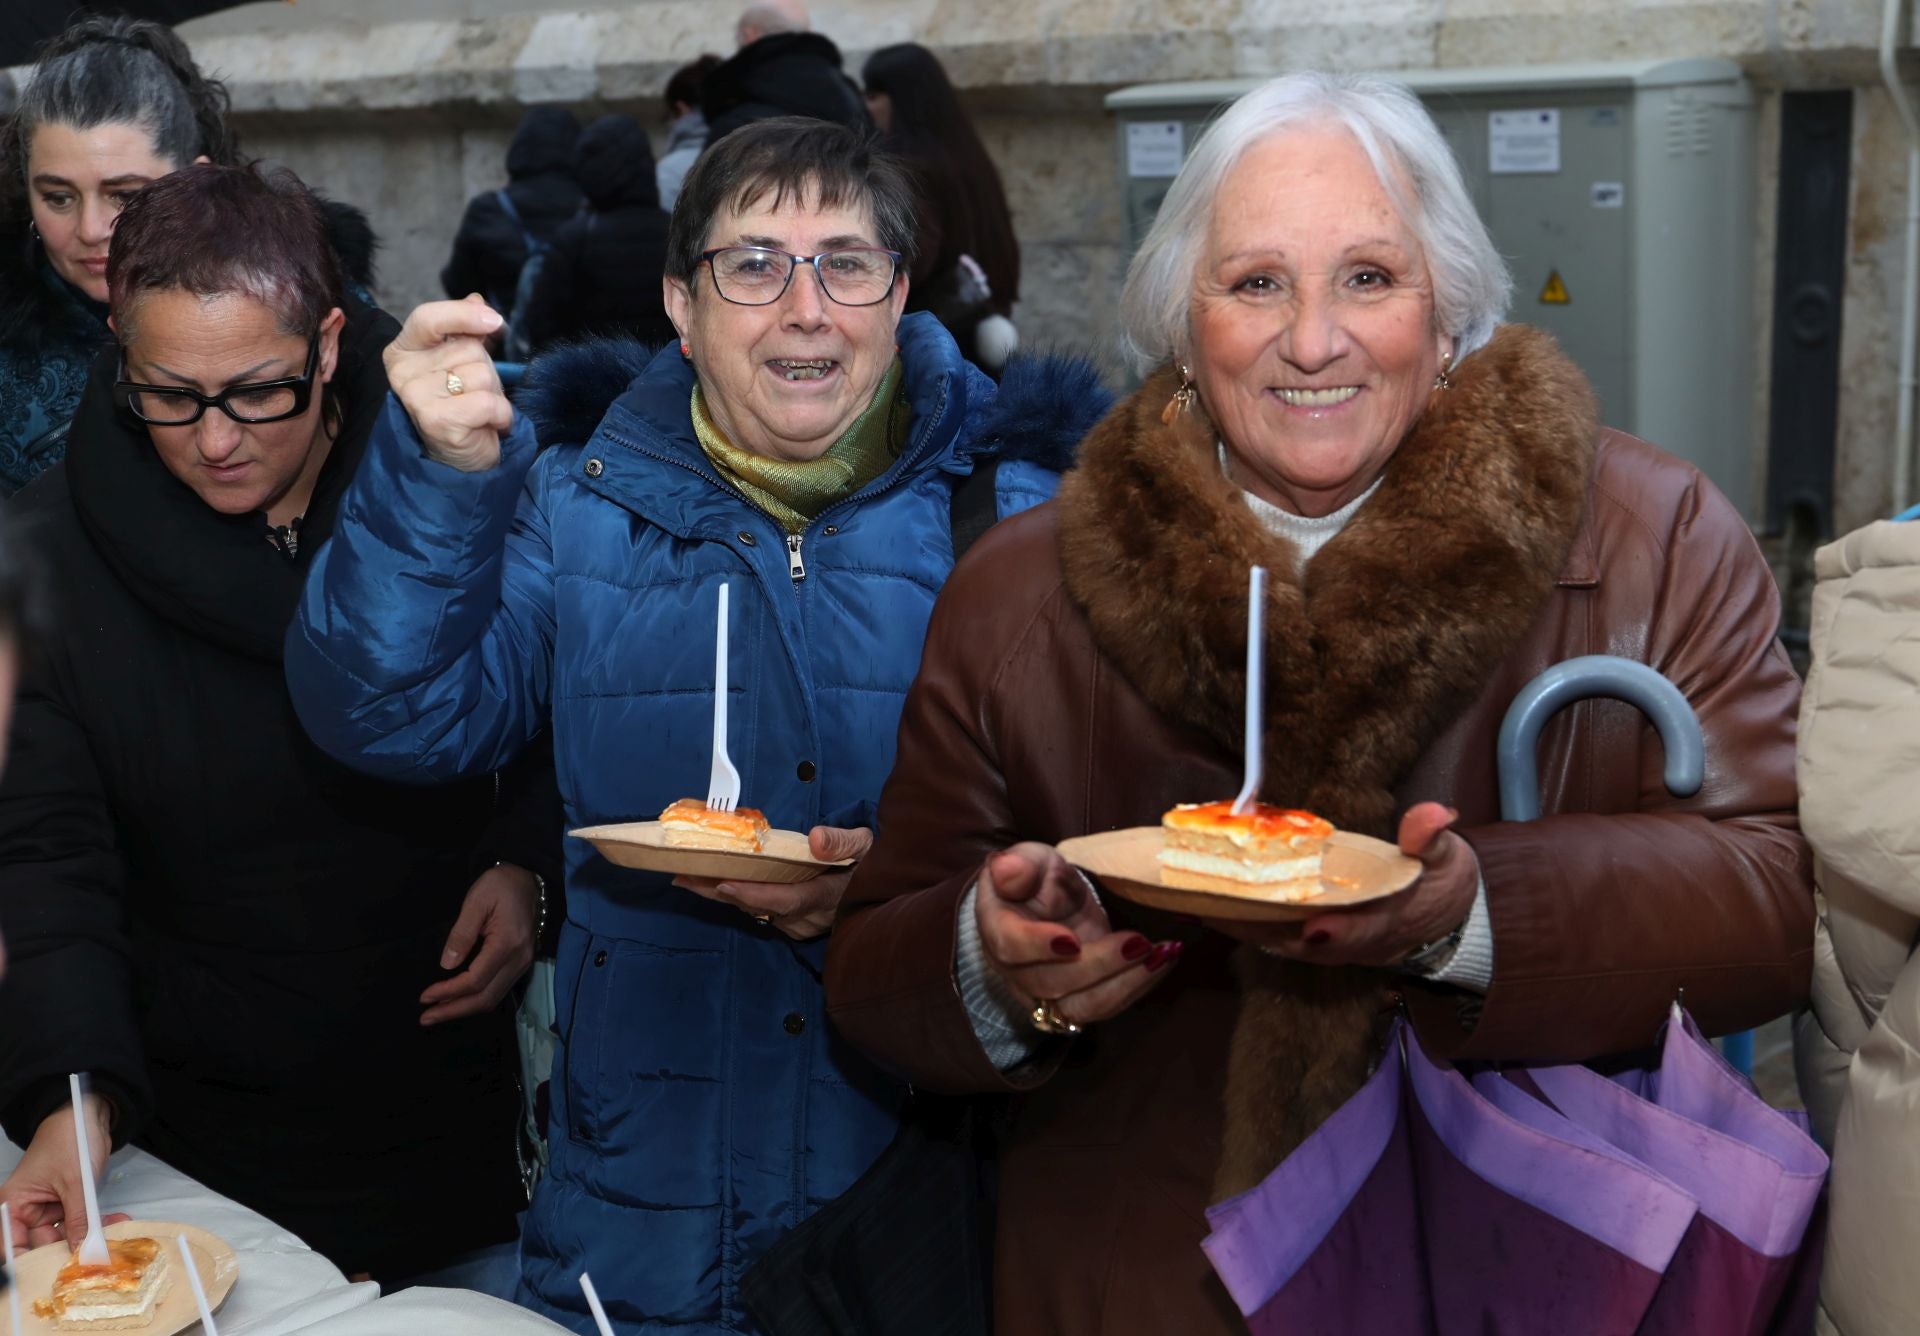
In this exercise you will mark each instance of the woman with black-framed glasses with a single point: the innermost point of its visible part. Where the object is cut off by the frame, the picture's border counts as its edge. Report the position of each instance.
(284, 978)
(822, 457)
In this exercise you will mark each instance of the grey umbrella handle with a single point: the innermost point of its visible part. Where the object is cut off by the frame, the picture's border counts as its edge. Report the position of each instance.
(1578, 679)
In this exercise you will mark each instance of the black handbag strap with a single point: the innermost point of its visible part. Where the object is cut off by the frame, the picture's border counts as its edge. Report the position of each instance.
(975, 506)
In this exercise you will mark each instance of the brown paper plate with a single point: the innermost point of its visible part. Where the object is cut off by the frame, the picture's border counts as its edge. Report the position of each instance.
(176, 1311)
(784, 855)
(1354, 870)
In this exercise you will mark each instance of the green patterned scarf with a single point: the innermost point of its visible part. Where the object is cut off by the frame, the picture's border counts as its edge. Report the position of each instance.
(793, 492)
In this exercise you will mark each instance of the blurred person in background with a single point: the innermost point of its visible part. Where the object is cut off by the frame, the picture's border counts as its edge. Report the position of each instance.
(602, 274)
(284, 978)
(501, 228)
(781, 69)
(686, 127)
(109, 105)
(969, 273)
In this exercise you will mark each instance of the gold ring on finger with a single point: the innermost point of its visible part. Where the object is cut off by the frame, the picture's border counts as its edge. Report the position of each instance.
(454, 384)
(1048, 1021)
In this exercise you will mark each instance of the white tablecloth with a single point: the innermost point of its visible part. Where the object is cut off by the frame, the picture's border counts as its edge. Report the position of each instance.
(284, 1286)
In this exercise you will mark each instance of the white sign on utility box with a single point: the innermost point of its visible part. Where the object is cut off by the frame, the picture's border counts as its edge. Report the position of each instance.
(1155, 148)
(1521, 143)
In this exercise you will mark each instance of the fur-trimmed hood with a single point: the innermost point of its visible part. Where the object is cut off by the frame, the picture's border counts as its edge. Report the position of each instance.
(1370, 653)
(1043, 407)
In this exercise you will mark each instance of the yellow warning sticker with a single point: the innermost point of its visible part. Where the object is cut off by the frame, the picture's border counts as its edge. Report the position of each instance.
(1555, 293)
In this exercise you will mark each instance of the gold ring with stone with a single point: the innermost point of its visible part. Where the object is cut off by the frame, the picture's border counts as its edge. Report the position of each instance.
(455, 385)
(1048, 1021)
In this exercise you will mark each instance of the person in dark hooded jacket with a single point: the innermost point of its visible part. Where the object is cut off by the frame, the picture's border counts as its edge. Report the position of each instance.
(603, 275)
(781, 74)
(490, 246)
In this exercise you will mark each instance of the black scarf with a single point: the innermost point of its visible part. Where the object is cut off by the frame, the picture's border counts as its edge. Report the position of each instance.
(215, 576)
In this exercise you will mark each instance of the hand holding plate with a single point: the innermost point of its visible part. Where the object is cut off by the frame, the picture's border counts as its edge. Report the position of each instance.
(1385, 932)
(802, 910)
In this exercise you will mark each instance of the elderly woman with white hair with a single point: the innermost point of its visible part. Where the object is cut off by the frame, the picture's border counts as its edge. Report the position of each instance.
(1329, 394)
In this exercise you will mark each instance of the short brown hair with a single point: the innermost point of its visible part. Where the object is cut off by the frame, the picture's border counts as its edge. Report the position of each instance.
(792, 157)
(212, 230)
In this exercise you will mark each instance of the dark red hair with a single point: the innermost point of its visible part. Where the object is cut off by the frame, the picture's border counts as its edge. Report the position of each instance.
(213, 230)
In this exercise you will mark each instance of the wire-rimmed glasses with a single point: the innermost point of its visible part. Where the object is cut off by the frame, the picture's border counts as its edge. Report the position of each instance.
(758, 276)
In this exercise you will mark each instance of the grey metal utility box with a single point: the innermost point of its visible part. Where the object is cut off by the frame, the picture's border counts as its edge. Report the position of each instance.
(1622, 196)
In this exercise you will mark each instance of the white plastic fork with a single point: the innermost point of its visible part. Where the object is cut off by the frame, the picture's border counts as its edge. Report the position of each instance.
(13, 1289)
(93, 1249)
(723, 781)
(1256, 697)
(594, 1306)
(199, 1291)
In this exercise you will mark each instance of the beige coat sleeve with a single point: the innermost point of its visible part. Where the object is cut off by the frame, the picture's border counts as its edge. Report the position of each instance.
(1859, 769)
(1859, 774)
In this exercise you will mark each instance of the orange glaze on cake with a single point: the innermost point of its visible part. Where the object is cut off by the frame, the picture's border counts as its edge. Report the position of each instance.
(1271, 852)
(691, 823)
(124, 1273)
(1262, 823)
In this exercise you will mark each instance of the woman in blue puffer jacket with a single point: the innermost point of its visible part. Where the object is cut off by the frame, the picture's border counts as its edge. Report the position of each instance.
(803, 443)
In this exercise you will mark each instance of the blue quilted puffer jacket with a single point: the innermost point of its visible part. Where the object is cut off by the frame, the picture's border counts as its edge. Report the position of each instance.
(701, 1103)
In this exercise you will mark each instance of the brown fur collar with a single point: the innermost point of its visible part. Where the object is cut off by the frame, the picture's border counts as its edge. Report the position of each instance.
(1384, 642)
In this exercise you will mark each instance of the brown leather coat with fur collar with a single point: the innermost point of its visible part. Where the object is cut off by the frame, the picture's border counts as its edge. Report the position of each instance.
(1083, 673)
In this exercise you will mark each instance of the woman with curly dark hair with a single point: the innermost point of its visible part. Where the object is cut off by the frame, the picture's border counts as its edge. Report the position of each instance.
(110, 105)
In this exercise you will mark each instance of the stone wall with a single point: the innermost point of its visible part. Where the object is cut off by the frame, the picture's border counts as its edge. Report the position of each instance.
(405, 106)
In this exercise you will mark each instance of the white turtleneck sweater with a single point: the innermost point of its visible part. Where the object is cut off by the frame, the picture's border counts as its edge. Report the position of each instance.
(1000, 1019)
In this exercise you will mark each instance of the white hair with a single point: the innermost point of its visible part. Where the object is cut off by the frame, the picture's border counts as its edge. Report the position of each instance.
(1471, 284)
(770, 17)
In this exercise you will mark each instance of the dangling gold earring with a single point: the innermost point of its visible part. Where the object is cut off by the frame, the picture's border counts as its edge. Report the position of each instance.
(1443, 381)
(1182, 398)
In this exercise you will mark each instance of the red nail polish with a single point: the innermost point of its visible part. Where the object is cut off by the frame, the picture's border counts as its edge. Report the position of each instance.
(1135, 948)
(1163, 955)
(1065, 946)
(1320, 938)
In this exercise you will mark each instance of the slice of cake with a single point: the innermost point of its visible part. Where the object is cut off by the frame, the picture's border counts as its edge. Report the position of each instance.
(120, 1296)
(1267, 851)
(691, 824)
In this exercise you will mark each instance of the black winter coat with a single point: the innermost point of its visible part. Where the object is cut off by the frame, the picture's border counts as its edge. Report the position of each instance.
(490, 247)
(787, 74)
(602, 276)
(226, 927)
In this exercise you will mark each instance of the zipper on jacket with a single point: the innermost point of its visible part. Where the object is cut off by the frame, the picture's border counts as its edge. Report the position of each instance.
(796, 567)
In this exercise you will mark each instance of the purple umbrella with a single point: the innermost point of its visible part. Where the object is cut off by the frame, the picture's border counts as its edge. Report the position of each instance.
(1750, 1261)
(1542, 1199)
(1534, 1200)
(1421, 1208)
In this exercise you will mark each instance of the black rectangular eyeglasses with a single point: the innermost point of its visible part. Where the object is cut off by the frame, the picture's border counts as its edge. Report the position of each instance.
(758, 276)
(254, 402)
